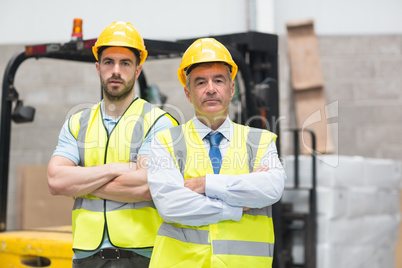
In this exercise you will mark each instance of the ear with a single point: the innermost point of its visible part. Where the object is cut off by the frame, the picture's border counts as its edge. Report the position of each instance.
(187, 92)
(97, 68)
(232, 89)
(138, 71)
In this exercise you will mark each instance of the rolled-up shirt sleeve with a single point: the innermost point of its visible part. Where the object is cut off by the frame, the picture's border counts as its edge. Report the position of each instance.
(254, 190)
(67, 145)
(178, 204)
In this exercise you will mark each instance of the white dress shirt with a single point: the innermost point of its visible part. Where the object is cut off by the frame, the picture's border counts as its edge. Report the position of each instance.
(225, 195)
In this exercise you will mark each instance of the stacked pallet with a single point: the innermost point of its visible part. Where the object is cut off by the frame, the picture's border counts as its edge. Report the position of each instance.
(358, 210)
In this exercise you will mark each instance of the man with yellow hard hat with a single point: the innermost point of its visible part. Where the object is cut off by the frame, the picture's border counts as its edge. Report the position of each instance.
(213, 181)
(101, 156)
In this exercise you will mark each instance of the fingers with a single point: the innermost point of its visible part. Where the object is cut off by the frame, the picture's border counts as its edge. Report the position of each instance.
(196, 184)
(264, 168)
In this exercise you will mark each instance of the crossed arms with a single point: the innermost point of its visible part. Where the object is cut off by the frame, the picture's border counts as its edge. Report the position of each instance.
(122, 182)
(213, 198)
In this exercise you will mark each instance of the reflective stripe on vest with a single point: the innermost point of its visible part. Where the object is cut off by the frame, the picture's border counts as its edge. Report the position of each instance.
(145, 116)
(129, 224)
(245, 248)
(188, 235)
(97, 205)
(249, 242)
(227, 247)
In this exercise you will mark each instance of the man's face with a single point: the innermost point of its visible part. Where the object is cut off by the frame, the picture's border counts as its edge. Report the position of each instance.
(210, 90)
(118, 70)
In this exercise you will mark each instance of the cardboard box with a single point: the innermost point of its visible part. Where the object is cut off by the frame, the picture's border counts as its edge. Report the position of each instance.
(36, 207)
(308, 86)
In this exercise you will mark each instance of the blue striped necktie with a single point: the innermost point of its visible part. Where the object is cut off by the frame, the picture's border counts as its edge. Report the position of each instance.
(214, 152)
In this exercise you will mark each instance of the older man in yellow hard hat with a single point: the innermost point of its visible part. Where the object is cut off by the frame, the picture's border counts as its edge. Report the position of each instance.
(213, 181)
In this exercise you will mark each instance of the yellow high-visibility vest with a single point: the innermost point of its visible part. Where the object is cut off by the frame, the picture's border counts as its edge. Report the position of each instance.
(129, 225)
(246, 243)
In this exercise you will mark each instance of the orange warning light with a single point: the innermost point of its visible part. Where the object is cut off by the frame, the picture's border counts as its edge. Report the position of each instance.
(77, 28)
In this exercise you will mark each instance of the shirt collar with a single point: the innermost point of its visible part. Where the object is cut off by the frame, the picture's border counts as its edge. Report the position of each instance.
(107, 117)
(226, 128)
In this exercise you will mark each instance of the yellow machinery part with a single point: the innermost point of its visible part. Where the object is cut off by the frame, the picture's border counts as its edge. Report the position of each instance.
(46, 247)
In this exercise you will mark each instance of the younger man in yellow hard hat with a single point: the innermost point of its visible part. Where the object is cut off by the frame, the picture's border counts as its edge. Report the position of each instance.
(101, 156)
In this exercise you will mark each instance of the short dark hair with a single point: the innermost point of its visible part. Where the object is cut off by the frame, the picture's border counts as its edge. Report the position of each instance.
(135, 51)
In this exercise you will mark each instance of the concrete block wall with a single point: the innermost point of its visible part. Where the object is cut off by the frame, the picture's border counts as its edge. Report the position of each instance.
(362, 76)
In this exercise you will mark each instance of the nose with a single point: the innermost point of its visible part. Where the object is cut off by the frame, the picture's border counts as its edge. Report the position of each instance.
(210, 87)
(116, 69)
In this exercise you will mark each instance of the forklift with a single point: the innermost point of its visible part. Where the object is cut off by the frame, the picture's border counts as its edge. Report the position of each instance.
(257, 90)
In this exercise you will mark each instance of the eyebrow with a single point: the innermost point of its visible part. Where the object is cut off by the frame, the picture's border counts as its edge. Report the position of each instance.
(121, 60)
(220, 76)
(198, 78)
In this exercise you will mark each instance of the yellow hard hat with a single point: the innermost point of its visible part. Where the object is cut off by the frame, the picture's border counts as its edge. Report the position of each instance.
(121, 34)
(205, 50)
